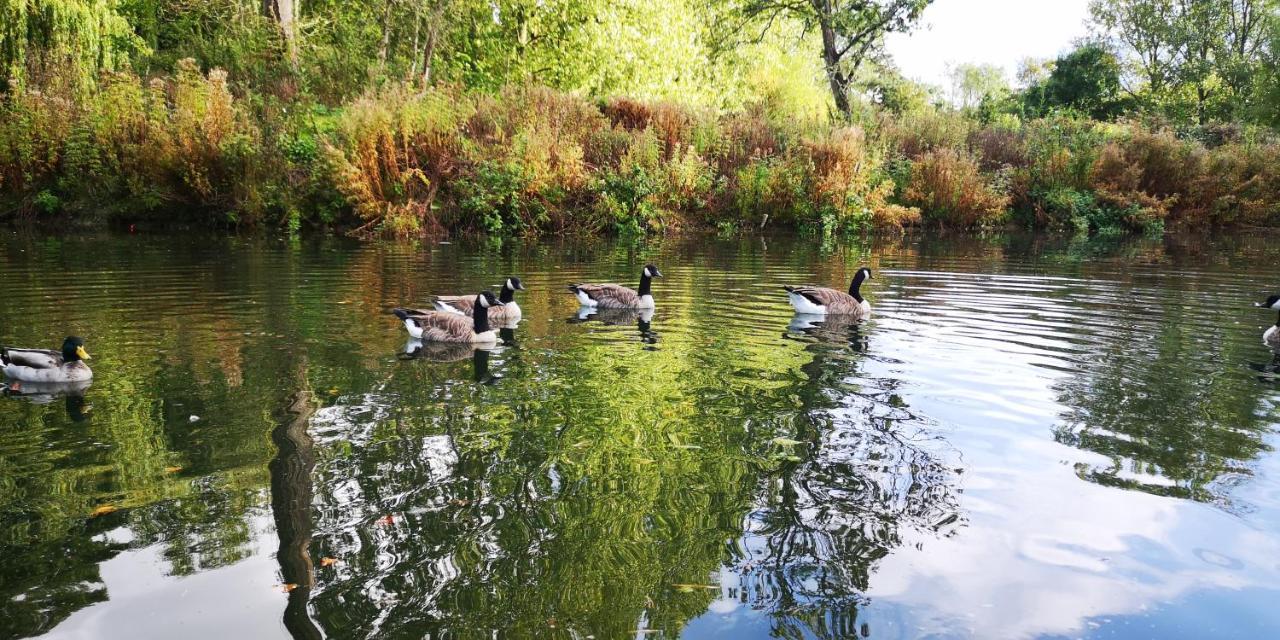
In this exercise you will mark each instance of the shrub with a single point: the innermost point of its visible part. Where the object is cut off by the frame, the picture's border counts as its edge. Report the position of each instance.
(1237, 184)
(948, 187)
(920, 132)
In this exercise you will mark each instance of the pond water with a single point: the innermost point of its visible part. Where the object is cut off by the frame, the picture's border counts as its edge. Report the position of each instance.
(1032, 437)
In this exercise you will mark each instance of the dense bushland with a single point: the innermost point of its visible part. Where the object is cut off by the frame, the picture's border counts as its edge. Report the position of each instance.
(403, 161)
(406, 161)
(406, 117)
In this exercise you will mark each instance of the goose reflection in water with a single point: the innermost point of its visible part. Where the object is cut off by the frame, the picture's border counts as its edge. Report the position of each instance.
(642, 318)
(46, 392)
(416, 349)
(828, 329)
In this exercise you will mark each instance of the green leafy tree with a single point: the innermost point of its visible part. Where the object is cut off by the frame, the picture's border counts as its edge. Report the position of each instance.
(63, 40)
(1086, 80)
(851, 31)
(972, 84)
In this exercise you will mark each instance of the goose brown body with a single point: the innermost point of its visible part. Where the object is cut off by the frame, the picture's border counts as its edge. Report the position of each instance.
(816, 300)
(506, 314)
(616, 296)
(448, 326)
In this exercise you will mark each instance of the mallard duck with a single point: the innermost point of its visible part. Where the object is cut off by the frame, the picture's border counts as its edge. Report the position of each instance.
(824, 301)
(616, 296)
(446, 326)
(1271, 337)
(505, 315)
(40, 365)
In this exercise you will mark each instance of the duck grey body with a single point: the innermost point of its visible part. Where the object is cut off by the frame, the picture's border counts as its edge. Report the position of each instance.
(616, 296)
(40, 365)
(826, 301)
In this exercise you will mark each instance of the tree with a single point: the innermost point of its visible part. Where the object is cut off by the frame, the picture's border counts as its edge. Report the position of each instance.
(971, 84)
(851, 30)
(1087, 80)
(283, 13)
(1144, 29)
(1249, 23)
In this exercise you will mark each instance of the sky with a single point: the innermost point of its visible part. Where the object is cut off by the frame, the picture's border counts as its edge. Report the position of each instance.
(999, 32)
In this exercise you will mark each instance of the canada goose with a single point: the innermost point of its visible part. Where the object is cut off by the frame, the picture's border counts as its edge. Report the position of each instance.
(1271, 337)
(824, 301)
(39, 365)
(507, 314)
(445, 326)
(616, 296)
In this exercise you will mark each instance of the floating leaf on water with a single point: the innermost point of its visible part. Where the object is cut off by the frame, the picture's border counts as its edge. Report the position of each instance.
(172, 469)
(387, 519)
(333, 392)
(102, 510)
(328, 562)
(786, 442)
(288, 586)
(686, 588)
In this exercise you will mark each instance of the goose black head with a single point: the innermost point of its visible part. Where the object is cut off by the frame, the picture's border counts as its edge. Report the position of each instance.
(73, 349)
(651, 271)
(1272, 303)
(486, 299)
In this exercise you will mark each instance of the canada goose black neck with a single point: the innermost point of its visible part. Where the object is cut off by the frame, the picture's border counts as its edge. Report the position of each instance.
(855, 287)
(646, 279)
(480, 315)
(645, 285)
(509, 287)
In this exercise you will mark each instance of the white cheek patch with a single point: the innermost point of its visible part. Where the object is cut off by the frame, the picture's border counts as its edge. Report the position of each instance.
(510, 286)
(484, 302)
(647, 273)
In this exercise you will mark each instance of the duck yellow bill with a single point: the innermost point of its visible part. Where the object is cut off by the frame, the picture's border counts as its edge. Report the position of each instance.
(84, 355)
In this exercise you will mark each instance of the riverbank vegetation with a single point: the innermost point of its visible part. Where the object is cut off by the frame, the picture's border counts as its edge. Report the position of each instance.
(406, 117)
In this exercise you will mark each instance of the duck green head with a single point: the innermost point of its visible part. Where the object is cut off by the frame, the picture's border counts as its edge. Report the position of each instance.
(73, 349)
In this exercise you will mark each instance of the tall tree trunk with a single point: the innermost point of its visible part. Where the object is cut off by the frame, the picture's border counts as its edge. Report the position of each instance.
(417, 31)
(831, 59)
(282, 12)
(429, 50)
(386, 37)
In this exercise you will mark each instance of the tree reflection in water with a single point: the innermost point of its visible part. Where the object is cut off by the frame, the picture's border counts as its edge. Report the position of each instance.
(872, 481)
